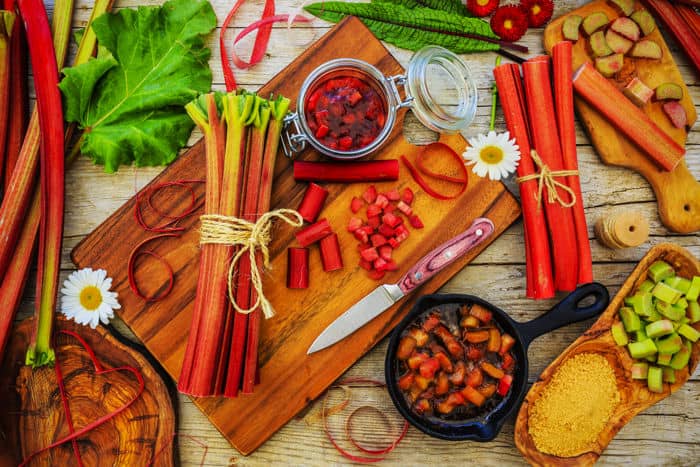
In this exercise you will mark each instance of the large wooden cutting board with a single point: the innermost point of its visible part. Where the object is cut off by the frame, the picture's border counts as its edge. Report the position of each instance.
(289, 378)
(677, 192)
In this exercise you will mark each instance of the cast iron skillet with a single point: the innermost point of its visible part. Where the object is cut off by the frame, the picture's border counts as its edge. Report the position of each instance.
(486, 427)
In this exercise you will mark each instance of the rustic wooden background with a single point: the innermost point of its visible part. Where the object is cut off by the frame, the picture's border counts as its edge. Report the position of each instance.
(667, 433)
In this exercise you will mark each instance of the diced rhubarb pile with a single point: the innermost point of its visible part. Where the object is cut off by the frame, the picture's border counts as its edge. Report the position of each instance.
(384, 229)
(345, 113)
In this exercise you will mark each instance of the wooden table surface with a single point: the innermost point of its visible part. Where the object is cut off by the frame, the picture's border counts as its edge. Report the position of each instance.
(667, 433)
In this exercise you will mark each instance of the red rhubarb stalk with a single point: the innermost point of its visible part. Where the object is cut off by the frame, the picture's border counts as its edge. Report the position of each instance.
(560, 219)
(623, 115)
(278, 110)
(564, 95)
(540, 283)
(331, 258)
(297, 268)
(312, 202)
(691, 18)
(314, 232)
(7, 22)
(17, 102)
(45, 70)
(346, 172)
(674, 22)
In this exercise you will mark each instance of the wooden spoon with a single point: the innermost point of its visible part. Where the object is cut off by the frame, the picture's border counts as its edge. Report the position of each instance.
(634, 395)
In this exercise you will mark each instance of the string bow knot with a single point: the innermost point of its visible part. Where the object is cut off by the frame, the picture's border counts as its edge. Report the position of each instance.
(251, 237)
(547, 179)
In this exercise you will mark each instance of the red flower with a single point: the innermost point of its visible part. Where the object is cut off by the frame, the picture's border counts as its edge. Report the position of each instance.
(538, 11)
(482, 8)
(509, 23)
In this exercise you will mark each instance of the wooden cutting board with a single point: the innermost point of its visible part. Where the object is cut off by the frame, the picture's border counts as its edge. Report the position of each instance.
(289, 378)
(677, 192)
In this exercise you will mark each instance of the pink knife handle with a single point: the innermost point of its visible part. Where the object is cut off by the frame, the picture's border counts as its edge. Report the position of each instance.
(446, 254)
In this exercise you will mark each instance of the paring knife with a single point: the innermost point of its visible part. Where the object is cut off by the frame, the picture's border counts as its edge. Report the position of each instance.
(386, 295)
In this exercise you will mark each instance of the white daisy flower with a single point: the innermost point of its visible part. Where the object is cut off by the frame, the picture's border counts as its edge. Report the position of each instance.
(494, 154)
(87, 299)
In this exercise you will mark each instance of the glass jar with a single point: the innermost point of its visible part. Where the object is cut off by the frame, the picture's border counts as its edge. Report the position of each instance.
(438, 87)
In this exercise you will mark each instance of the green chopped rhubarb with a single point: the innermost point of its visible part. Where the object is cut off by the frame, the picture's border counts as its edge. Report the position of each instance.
(694, 291)
(693, 312)
(660, 270)
(655, 379)
(640, 335)
(654, 316)
(664, 292)
(643, 349)
(630, 319)
(640, 370)
(669, 375)
(681, 303)
(641, 302)
(659, 328)
(668, 91)
(672, 343)
(619, 334)
(645, 286)
(594, 21)
(669, 311)
(625, 6)
(681, 359)
(664, 359)
(689, 332)
(571, 26)
(679, 283)
(644, 20)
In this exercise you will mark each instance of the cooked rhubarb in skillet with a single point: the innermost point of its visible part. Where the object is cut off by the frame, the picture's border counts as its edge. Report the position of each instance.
(455, 363)
(345, 113)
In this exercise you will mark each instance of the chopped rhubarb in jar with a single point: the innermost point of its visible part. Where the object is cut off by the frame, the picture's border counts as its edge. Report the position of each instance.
(345, 113)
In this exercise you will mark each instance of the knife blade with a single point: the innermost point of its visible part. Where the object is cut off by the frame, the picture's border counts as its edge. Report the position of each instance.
(384, 296)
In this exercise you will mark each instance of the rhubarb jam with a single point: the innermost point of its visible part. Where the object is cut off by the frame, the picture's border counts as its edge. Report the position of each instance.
(345, 113)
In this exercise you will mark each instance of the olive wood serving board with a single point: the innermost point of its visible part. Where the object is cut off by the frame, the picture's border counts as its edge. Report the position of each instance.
(677, 192)
(289, 379)
(634, 394)
(33, 415)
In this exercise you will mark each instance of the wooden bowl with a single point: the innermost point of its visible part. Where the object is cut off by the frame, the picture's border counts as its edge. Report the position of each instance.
(634, 395)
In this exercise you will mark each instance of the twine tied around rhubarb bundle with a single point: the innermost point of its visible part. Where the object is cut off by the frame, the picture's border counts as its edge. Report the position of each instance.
(546, 179)
(250, 237)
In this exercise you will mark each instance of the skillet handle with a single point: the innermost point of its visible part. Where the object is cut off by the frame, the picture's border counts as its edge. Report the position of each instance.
(566, 312)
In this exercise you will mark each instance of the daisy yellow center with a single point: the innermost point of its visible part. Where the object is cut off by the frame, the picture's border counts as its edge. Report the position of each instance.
(90, 298)
(482, 2)
(508, 24)
(491, 154)
(536, 9)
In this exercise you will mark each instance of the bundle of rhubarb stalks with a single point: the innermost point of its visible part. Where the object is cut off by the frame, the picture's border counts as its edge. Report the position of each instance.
(241, 133)
(539, 114)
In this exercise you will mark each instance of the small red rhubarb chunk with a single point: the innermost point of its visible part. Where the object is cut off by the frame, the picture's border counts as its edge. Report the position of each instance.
(393, 195)
(379, 264)
(385, 230)
(370, 195)
(370, 254)
(415, 221)
(391, 220)
(361, 235)
(373, 210)
(376, 275)
(401, 233)
(381, 201)
(356, 204)
(378, 240)
(374, 222)
(385, 252)
(404, 208)
(394, 243)
(429, 367)
(366, 265)
(354, 224)
(406, 381)
(407, 196)
(417, 359)
(504, 385)
(406, 347)
(675, 111)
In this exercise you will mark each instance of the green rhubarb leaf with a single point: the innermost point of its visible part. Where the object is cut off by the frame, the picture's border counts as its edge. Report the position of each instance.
(130, 99)
(455, 7)
(414, 28)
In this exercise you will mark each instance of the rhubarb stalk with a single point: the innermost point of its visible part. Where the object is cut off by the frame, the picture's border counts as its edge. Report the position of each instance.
(17, 101)
(346, 172)
(545, 138)
(7, 21)
(564, 95)
(673, 20)
(540, 283)
(45, 70)
(278, 110)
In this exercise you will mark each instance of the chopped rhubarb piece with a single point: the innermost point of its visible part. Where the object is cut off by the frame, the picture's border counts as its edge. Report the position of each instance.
(381, 201)
(386, 231)
(373, 210)
(391, 265)
(379, 264)
(364, 264)
(507, 343)
(608, 66)
(504, 385)
(445, 362)
(422, 406)
(389, 208)
(407, 196)
(599, 46)
(644, 20)
(370, 194)
(419, 335)
(626, 7)
(401, 233)
(346, 172)
(356, 204)
(487, 390)
(476, 337)
(385, 252)
(474, 353)
(570, 27)
(312, 202)
(376, 275)
(404, 208)
(374, 222)
(491, 370)
(668, 91)
(494, 343)
(393, 195)
(391, 220)
(421, 382)
(473, 396)
(361, 235)
(480, 313)
(331, 258)
(474, 378)
(354, 224)
(675, 111)
(297, 268)
(594, 21)
(617, 42)
(322, 131)
(406, 381)
(508, 362)
(368, 229)
(370, 254)
(442, 385)
(431, 322)
(626, 28)
(416, 360)
(378, 240)
(415, 222)
(459, 373)
(394, 243)
(314, 232)
(638, 92)
(646, 48)
(406, 347)
(453, 345)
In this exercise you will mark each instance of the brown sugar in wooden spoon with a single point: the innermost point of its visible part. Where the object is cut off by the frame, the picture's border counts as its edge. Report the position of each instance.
(634, 394)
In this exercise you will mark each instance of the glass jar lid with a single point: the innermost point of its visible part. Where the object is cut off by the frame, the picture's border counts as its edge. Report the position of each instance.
(442, 88)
